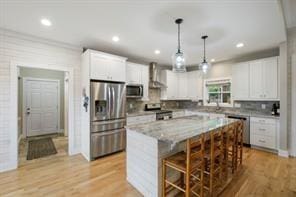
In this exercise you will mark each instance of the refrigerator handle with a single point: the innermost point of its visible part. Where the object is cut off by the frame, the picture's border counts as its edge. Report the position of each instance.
(113, 100)
(109, 102)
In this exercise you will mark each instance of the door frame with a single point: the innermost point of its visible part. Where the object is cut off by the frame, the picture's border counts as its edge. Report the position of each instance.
(24, 120)
(13, 123)
(292, 140)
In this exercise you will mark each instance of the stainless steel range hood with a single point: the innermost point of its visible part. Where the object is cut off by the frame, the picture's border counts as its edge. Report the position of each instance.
(154, 76)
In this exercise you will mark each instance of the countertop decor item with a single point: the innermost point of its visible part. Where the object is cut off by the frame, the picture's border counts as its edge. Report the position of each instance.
(178, 58)
(204, 66)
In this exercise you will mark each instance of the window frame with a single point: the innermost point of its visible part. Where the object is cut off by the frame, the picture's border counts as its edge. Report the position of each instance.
(206, 92)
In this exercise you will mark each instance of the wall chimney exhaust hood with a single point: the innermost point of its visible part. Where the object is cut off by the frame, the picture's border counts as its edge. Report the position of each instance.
(154, 76)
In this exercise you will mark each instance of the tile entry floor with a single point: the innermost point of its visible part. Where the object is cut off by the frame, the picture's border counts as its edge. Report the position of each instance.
(60, 142)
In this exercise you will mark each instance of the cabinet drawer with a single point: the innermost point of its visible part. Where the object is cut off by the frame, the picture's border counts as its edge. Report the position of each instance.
(263, 129)
(263, 120)
(263, 141)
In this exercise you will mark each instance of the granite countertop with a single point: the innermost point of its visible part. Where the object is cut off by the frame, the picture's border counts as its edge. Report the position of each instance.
(227, 112)
(139, 113)
(177, 130)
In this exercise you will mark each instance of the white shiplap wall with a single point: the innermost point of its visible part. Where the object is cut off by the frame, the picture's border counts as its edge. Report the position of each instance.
(21, 48)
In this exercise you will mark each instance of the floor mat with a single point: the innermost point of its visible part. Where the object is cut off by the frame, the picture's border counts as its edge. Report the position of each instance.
(40, 148)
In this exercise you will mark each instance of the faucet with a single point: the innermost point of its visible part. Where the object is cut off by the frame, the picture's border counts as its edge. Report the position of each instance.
(217, 105)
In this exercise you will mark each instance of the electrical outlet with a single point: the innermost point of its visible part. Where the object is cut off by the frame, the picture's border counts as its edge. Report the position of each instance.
(263, 106)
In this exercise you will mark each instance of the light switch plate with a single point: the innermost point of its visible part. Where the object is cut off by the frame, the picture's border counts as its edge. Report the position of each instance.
(263, 106)
(237, 105)
(131, 105)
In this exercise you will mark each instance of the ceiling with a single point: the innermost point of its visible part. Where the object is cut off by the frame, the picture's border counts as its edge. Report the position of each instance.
(289, 7)
(144, 26)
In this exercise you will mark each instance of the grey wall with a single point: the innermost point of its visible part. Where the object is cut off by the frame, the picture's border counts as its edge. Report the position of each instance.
(291, 49)
(44, 74)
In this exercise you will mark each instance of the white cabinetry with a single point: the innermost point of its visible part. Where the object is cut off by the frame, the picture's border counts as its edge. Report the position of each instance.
(133, 73)
(240, 81)
(140, 119)
(264, 132)
(256, 80)
(138, 74)
(264, 79)
(106, 67)
(195, 85)
(181, 86)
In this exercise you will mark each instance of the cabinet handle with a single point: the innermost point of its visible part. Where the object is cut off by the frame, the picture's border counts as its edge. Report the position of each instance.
(262, 129)
(263, 141)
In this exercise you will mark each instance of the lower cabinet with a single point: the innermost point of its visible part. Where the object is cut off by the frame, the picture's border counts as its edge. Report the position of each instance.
(140, 119)
(264, 132)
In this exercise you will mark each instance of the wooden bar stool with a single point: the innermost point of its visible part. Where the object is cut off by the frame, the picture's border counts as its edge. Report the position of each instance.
(189, 164)
(240, 142)
(230, 140)
(214, 154)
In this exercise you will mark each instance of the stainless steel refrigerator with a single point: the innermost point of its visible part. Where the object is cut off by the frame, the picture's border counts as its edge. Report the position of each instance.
(107, 116)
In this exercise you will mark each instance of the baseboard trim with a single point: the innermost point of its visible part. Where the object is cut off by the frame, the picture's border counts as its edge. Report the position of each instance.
(9, 167)
(283, 153)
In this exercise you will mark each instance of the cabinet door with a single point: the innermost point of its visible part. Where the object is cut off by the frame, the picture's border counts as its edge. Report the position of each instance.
(145, 82)
(182, 86)
(172, 85)
(133, 73)
(240, 81)
(117, 70)
(194, 83)
(99, 67)
(270, 78)
(256, 85)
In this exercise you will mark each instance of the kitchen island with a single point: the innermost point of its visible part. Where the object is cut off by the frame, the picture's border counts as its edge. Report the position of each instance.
(148, 144)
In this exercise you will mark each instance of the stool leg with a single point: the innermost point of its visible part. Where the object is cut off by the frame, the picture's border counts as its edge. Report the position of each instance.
(163, 179)
(188, 168)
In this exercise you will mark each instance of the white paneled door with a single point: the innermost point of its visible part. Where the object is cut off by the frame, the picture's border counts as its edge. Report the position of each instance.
(41, 108)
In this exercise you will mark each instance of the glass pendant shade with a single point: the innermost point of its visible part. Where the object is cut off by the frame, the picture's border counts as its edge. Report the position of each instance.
(204, 66)
(178, 60)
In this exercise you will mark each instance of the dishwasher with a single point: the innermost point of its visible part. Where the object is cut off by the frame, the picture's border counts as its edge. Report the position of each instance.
(246, 131)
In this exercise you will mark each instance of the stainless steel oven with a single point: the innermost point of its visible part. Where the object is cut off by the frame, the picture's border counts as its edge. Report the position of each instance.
(134, 91)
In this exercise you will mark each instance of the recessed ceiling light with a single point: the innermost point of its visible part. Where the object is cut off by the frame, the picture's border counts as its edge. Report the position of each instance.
(157, 52)
(239, 45)
(213, 60)
(45, 22)
(115, 38)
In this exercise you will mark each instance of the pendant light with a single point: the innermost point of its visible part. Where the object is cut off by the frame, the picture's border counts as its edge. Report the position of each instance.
(204, 66)
(178, 58)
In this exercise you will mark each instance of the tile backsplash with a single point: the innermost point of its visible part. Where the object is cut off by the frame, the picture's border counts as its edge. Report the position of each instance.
(135, 105)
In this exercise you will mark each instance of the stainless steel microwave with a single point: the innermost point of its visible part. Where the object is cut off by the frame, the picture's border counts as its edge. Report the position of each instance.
(134, 91)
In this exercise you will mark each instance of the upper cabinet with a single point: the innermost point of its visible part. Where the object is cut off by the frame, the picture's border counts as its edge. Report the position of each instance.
(264, 79)
(256, 80)
(133, 73)
(138, 74)
(106, 67)
(240, 81)
(195, 85)
(181, 86)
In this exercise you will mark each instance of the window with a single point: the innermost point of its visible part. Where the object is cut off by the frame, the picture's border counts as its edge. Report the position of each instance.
(218, 90)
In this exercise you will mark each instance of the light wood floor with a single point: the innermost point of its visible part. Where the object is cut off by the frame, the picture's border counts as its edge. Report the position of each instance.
(264, 174)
